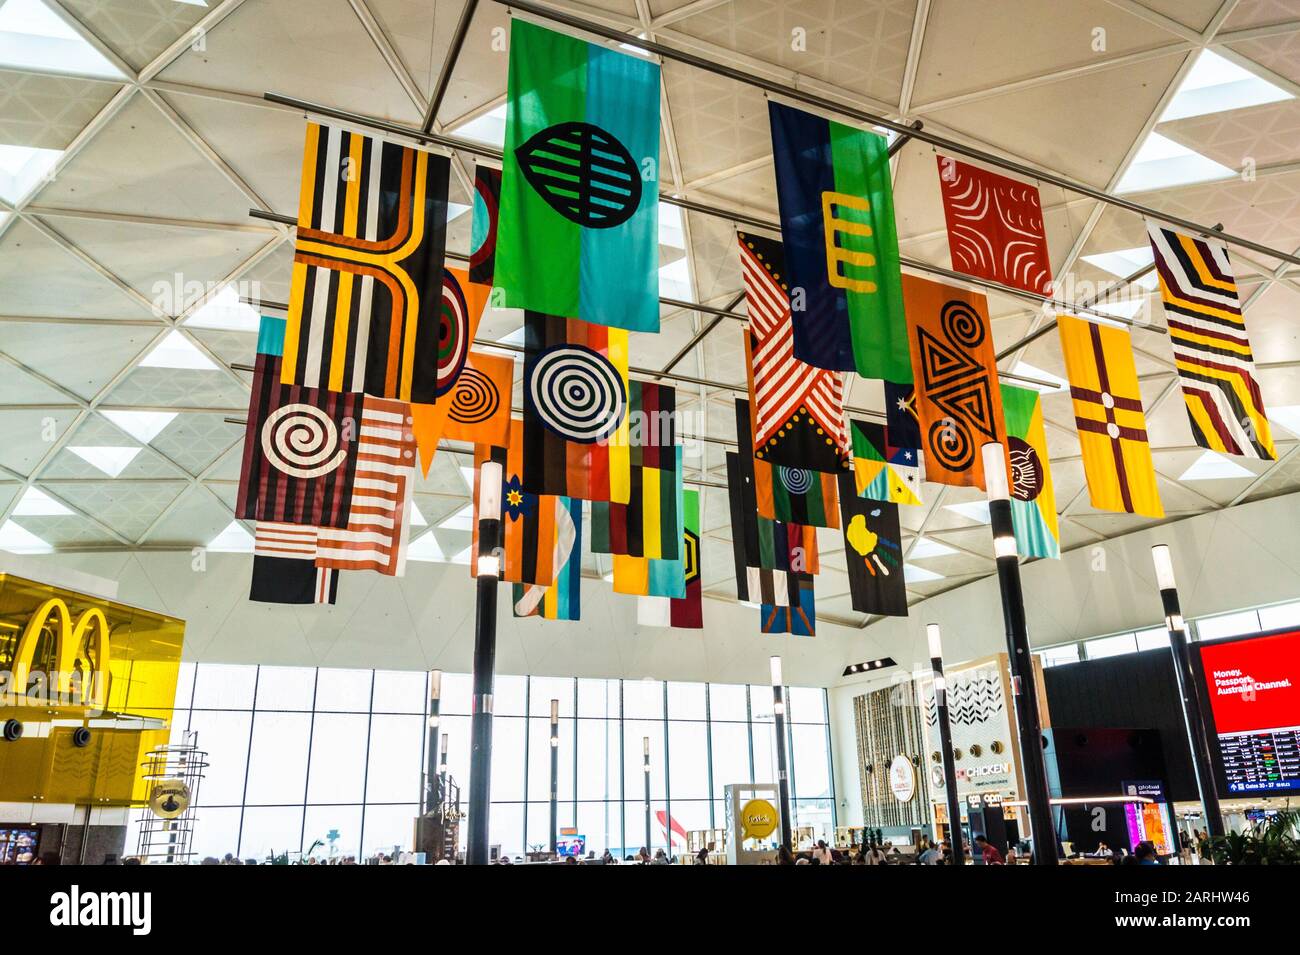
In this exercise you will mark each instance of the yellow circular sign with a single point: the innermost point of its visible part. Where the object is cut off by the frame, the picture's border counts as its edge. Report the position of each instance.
(758, 819)
(169, 798)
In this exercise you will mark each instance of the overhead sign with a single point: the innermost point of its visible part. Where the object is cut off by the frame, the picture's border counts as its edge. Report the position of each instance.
(81, 655)
(758, 819)
(902, 778)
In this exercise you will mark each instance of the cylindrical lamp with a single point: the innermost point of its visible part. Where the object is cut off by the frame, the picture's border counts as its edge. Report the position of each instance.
(1028, 720)
(955, 838)
(782, 764)
(485, 651)
(1193, 714)
(555, 772)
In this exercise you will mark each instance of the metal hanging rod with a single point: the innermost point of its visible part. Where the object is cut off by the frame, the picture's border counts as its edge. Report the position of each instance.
(863, 116)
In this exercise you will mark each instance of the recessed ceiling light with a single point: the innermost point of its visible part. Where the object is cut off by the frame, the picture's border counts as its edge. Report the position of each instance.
(34, 37)
(1212, 466)
(927, 547)
(1124, 262)
(225, 311)
(1215, 84)
(144, 426)
(36, 503)
(977, 511)
(177, 351)
(110, 459)
(855, 668)
(17, 539)
(919, 575)
(233, 539)
(22, 168)
(1161, 163)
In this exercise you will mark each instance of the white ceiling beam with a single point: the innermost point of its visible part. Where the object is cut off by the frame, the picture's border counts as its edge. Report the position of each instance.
(908, 86)
(384, 44)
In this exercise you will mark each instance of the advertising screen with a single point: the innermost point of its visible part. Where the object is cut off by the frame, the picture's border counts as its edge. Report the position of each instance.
(1253, 688)
(570, 846)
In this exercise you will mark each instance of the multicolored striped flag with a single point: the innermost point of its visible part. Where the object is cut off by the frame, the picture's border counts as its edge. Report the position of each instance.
(793, 495)
(483, 225)
(1108, 416)
(562, 600)
(841, 245)
(578, 233)
(1033, 501)
(1216, 367)
(285, 569)
(798, 408)
(367, 267)
(787, 603)
(882, 471)
(688, 612)
(575, 430)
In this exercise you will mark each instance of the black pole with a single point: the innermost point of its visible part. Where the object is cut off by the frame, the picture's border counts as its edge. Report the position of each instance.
(955, 837)
(1023, 687)
(646, 773)
(1202, 760)
(782, 773)
(485, 652)
(432, 792)
(555, 771)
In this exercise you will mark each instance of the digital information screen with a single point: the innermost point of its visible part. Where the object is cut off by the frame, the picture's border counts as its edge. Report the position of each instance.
(1252, 686)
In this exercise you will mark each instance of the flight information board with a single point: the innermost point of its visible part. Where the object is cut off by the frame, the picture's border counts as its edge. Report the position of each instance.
(1253, 685)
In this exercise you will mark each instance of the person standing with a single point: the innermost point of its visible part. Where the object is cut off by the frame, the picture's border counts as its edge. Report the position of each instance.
(989, 851)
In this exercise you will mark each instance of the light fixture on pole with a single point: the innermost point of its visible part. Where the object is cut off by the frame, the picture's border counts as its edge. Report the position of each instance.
(433, 795)
(782, 774)
(645, 747)
(555, 770)
(955, 838)
(485, 651)
(1023, 687)
(1202, 760)
(442, 765)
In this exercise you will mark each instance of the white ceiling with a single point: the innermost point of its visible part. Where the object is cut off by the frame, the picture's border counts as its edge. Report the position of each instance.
(160, 167)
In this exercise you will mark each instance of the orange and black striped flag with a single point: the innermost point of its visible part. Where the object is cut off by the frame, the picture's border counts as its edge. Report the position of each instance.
(367, 280)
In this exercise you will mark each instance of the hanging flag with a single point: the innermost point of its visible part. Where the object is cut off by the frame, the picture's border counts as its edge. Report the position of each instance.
(787, 602)
(562, 600)
(368, 260)
(657, 577)
(790, 494)
(300, 449)
(575, 431)
(645, 525)
(1216, 367)
(1108, 415)
(688, 612)
(841, 245)
(483, 224)
(1033, 501)
(900, 415)
(873, 553)
(478, 409)
(579, 225)
(798, 408)
(285, 569)
(530, 523)
(379, 515)
(957, 398)
(882, 471)
(995, 227)
(759, 543)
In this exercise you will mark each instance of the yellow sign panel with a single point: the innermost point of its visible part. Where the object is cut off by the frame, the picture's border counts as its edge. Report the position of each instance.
(73, 662)
(758, 819)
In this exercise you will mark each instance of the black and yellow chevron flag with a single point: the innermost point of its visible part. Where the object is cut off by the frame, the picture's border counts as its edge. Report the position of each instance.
(1215, 366)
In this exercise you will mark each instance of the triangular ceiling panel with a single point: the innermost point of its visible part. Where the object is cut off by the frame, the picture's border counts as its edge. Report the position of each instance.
(27, 436)
(139, 30)
(39, 277)
(46, 111)
(129, 508)
(83, 360)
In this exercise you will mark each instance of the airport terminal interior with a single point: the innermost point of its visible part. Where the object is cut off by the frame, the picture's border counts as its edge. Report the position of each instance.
(734, 432)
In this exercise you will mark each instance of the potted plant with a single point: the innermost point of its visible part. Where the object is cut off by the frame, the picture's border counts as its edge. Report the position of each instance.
(1272, 842)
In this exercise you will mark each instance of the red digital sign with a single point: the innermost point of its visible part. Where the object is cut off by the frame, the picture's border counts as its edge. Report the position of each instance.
(1254, 684)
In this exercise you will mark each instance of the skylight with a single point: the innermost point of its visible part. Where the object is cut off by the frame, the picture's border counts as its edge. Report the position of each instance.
(490, 127)
(1124, 262)
(426, 548)
(675, 279)
(1216, 85)
(225, 311)
(233, 539)
(467, 473)
(977, 511)
(671, 231)
(34, 37)
(919, 575)
(17, 539)
(1026, 370)
(23, 168)
(927, 547)
(462, 520)
(144, 426)
(177, 351)
(1288, 416)
(1161, 163)
(455, 210)
(110, 459)
(417, 517)
(1212, 466)
(36, 503)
